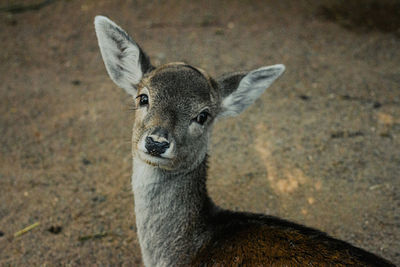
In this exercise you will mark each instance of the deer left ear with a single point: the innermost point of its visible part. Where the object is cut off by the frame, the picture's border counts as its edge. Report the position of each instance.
(125, 61)
(240, 90)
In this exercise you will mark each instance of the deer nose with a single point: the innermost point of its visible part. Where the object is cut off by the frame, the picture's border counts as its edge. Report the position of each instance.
(155, 148)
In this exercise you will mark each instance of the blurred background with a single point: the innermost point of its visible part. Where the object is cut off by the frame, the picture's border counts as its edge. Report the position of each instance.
(321, 147)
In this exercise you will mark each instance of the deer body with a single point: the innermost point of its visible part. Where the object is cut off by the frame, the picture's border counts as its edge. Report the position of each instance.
(177, 223)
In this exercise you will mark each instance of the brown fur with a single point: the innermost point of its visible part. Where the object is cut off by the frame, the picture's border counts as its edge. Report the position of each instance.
(262, 245)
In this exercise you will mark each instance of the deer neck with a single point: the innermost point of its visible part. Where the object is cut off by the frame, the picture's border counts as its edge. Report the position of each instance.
(171, 211)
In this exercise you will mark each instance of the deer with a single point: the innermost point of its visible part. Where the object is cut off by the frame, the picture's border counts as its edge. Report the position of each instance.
(176, 106)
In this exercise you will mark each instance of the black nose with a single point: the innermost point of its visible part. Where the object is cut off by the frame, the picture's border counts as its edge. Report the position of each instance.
(155, 148)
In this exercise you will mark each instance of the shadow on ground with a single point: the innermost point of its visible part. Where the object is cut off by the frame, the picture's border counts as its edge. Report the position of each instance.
(364, 15)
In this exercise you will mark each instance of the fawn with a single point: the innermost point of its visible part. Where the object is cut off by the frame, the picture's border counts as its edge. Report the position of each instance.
(178, 224)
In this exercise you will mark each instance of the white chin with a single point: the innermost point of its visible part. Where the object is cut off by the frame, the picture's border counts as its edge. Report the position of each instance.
(159, 162)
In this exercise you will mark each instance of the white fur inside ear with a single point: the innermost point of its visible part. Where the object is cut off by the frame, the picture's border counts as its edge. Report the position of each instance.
(120, 53)
(250, 88)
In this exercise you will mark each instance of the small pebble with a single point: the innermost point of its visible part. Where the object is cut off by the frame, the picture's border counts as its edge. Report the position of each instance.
(377, 105)
(304, 97)
(85, 161)
(76, 82)
(55, 229)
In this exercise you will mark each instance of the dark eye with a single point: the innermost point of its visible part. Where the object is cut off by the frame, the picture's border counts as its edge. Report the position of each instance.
(202, 117)
(143, 100)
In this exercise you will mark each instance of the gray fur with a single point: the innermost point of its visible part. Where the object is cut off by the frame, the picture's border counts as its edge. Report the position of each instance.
(170, 213)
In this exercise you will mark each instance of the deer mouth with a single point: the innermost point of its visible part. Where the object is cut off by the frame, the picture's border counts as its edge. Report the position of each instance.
(156, 160)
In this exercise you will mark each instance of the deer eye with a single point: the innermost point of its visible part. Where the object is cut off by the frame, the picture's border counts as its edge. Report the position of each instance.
(143, 100)
(202, 117)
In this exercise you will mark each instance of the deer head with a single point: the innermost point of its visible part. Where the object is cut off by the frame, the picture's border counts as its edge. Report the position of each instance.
(176, 104)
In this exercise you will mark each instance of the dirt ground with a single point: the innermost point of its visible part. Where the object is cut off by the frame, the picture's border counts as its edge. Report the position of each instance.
(321, 147)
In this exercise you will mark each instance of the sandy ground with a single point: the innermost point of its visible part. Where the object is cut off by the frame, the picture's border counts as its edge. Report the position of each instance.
(321, 147)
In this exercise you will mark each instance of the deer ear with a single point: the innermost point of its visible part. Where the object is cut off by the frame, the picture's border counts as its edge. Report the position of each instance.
(240, 90)
(125, 61)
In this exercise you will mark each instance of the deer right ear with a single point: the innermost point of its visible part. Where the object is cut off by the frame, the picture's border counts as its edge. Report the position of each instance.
(125, 62)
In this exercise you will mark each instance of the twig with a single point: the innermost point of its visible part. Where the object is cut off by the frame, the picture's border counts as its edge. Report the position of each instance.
(95, 236)
(26, 229)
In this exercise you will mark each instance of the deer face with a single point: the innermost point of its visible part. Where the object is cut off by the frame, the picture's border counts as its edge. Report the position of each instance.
(175, 107)
(176, 104)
